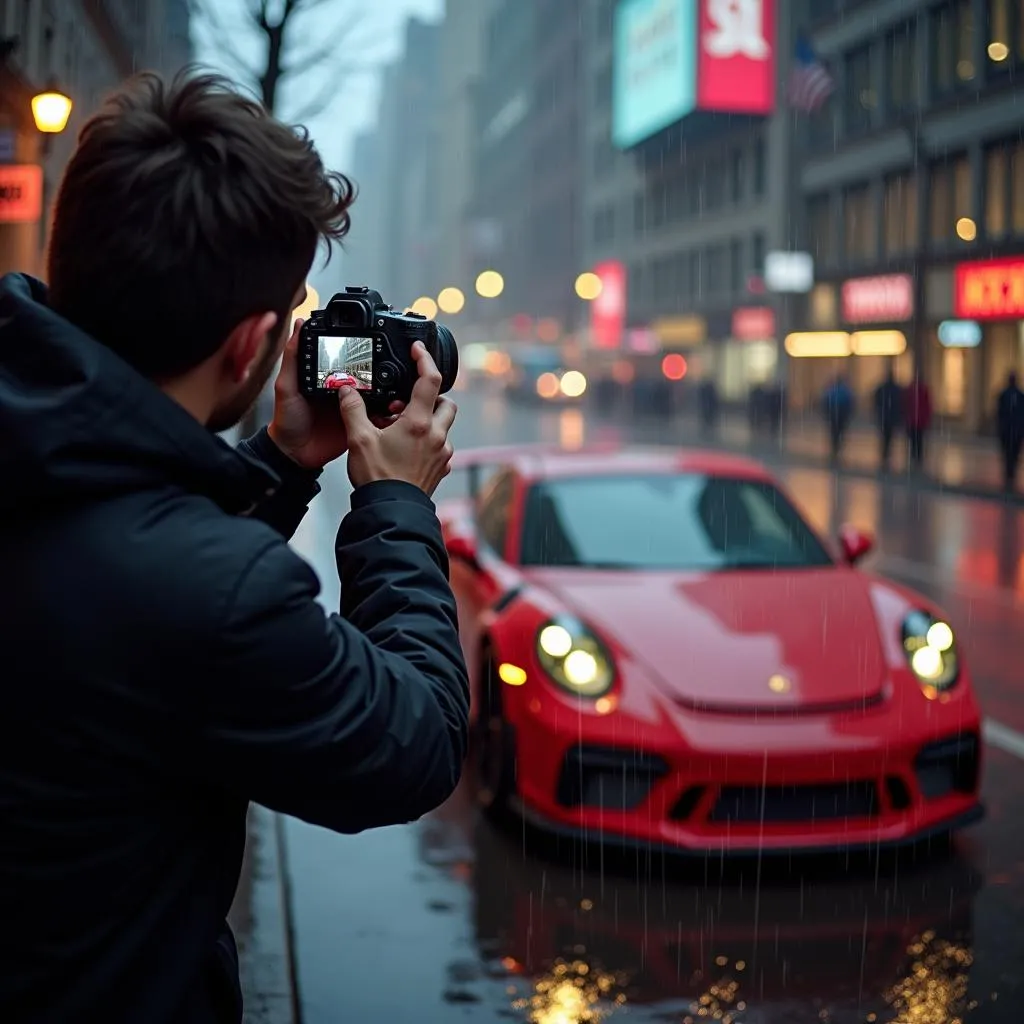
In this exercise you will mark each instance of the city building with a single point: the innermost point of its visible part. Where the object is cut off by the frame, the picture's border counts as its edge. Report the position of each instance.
(83, 50)
(913, 184)
(364, 258)
(463, 33)
(527, 197)
(686, 181)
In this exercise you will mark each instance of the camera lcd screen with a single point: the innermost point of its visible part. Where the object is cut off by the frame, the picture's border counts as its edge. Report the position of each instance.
(344, 361)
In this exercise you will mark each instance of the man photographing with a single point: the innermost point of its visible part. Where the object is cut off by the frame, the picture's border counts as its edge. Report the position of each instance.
(166, 660)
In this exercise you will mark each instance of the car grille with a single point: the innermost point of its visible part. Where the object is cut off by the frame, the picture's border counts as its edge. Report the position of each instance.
(608, 777)
(788, 804)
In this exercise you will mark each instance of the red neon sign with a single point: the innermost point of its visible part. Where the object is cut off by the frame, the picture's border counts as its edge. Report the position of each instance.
(608, 310)
(753, 323)
(736, 56)
(876, 300)
(989, 289)
(21, 193)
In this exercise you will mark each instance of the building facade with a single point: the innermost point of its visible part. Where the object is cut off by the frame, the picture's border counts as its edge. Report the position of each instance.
(461, 56)
(527, 203)
(913, 185)
(85, 49)
(689, 209)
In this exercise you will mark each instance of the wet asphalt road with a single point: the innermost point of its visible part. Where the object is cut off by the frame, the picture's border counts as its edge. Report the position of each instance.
(451, 920)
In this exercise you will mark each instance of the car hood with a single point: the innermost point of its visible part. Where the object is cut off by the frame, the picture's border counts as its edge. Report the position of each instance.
(720, 640)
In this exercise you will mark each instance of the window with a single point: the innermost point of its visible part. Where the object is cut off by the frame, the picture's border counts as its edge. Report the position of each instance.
(639, 213)
(697, 274)
(949, 194)
(999, 43)
(861, 91)
(997, 183)
(759, 167)
(902, 68)
(715, 184)
(716, 269)
(952, 31)
(603, 88)
(603, 230)
(603, 158)
(821, 223)
(689, 523)
(605, 16)
(899, 215)
(1017, 188)
(735, 265)
(757, 253)
(495, 511)
(738, 169)
(861, 224)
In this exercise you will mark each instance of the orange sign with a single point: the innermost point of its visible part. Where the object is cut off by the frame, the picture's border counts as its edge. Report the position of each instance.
(21, 193)
(989, 290)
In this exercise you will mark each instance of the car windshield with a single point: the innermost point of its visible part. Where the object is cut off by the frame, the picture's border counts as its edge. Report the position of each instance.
(681, 522)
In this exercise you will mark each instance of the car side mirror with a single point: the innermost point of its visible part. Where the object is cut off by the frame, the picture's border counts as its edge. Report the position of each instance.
(855, 544)
(463, 549)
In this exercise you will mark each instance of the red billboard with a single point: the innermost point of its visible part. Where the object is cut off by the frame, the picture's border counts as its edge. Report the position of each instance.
(989, 289)
(608, 310)
(888, 298)
(753, 323)
(736, 56)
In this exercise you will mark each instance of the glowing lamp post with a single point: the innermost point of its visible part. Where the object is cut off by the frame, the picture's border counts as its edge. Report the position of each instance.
(312, 302)
(424, 306)
(51, 110)
(451, 301)
(490, 284)
(589, 286)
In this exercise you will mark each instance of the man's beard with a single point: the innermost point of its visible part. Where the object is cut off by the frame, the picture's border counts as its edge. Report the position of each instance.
(233, 411)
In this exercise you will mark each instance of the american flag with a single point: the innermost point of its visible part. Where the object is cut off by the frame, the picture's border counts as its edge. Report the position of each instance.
(810, 84)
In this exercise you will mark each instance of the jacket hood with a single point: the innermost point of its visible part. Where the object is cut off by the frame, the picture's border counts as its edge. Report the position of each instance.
(78, 424)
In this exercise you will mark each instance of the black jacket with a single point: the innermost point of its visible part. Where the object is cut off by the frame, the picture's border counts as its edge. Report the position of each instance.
(1010, 415)
(165, 662)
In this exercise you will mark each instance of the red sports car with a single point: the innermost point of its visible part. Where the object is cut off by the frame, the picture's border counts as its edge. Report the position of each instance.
(340, 379)
(663, 650)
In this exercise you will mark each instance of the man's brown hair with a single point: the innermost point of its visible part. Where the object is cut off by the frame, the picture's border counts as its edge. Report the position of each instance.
(185, 209)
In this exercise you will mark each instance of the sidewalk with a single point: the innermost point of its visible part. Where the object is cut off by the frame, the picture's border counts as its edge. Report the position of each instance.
(259, 918)
(969, 466)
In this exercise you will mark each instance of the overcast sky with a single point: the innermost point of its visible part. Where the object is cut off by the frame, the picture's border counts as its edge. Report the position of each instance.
(355, 105)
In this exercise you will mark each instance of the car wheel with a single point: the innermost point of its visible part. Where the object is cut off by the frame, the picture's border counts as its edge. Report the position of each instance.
(495, 750)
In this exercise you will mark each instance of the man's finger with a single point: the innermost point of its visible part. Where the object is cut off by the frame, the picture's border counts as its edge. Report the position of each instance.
(444, 413)
(353, 412)
(428, 383)
(288, 375)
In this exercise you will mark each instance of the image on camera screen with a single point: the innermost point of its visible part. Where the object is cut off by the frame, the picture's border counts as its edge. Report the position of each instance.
(344, 362)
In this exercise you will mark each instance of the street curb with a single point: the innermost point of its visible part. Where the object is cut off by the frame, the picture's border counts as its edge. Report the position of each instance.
(263, 930)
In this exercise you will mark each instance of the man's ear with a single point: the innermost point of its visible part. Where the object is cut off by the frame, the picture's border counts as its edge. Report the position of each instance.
(246, 345)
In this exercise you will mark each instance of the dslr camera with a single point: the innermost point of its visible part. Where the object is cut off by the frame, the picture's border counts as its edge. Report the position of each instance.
(360, 341)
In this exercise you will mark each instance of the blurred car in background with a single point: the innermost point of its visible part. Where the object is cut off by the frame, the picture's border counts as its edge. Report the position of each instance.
(662, 650)
(538, 374)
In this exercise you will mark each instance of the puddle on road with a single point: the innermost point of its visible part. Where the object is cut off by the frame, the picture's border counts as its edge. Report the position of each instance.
(827, 942)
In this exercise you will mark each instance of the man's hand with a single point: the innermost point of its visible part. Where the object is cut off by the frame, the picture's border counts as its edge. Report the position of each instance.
(311, 434)
(415, 448)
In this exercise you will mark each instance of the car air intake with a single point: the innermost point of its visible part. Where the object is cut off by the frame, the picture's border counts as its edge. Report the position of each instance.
(949, 766)
(612, 778)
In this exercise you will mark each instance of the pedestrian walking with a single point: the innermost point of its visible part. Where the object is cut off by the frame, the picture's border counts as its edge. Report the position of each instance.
(1010, 427)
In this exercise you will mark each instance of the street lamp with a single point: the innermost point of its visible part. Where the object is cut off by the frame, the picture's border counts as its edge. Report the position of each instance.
(451, 300)
(51, 110)
(490, 284)
(425, 306)
(589, 286)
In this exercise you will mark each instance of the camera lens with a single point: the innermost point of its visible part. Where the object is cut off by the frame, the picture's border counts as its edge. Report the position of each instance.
(446, 355)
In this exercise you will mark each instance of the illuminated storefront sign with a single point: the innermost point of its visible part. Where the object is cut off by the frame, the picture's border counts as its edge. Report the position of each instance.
(789, 271)
(818, 345)
(989, 290)
(735, 63)
(876, 300)
(960, 333)
(674, 57)
(680, 331)
(21, 193)
(608, 310)
(878, 343)
(753, 323)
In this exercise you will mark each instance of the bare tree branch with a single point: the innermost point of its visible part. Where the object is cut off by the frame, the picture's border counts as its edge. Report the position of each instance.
(321, 101)
(222, 39)
(345, 38)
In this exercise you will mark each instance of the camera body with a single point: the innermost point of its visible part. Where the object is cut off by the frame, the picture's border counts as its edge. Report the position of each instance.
(360, 341)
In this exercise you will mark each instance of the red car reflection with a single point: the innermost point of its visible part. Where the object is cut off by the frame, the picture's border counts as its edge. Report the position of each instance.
(663, 650)
(338, 379)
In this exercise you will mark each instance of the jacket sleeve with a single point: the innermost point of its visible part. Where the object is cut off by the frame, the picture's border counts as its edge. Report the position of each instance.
(286, 506)
(346, 723)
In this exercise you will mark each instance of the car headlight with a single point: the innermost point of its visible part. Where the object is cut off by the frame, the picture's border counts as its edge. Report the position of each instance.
(574, 658)
(930, 646)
